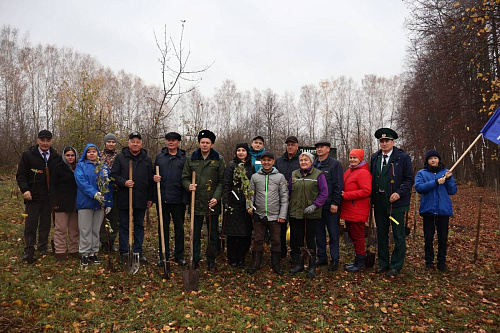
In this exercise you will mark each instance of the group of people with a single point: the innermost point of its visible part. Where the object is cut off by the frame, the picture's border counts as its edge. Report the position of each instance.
(259, 195)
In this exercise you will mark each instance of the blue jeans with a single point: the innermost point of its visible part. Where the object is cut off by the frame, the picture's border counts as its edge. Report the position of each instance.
(331, 222)
(138, 230)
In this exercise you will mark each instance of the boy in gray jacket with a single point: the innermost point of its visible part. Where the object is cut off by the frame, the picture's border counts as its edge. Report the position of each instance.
(270, 206)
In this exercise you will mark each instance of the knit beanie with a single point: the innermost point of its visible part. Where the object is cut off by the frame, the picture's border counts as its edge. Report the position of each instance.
(243, 145)
(359, 153)
(308, 154)
(110, 136)
(431, 153)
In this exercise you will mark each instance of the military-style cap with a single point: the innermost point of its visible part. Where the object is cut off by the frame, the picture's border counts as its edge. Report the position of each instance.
(386, 133)
(292, 138)
(45, 134)
(135, 134)
(173, 135)
(323, 143)
(206, 134)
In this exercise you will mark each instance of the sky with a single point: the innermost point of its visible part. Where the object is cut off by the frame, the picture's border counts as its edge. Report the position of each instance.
(275, 44)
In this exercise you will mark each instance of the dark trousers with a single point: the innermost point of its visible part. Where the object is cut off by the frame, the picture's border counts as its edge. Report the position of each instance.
(331, 223)
(431, 224)
(114, 223)
(138, 215)
(297, 229)
(356, 231)
(237, 248)
(212, 227)
(398, 231)
(259, 234)
(38, 219)
(177, 212)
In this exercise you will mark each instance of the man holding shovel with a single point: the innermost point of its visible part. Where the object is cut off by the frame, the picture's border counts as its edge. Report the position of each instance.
(392, 180)
(142, 186)
(32, 178)
(209, 167)
(174, 198)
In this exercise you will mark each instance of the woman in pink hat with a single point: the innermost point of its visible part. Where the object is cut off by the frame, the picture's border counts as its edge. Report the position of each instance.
(355, 206)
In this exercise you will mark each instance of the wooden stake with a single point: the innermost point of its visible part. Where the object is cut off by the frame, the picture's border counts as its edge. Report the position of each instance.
(415, 216)
(478, 228)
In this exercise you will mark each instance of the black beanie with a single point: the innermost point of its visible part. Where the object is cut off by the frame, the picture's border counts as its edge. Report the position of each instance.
(431, 153)
(243, 145)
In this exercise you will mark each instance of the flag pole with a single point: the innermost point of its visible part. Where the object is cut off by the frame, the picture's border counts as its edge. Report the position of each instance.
(465, 152)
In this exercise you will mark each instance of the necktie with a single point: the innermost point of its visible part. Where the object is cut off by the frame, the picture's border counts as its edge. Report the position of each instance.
(384, 163)
(44, 154)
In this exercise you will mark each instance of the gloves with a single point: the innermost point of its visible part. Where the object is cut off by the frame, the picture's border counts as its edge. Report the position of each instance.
(310, 209)
(99, 197)
(107, 210)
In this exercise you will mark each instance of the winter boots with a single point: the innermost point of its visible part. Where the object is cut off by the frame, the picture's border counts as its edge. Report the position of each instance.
(257, 261)
(299, 267)
(359, 264)
(311, 272)
(275, 262)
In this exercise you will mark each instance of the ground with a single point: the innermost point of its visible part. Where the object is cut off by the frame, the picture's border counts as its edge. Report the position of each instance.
(51, 296)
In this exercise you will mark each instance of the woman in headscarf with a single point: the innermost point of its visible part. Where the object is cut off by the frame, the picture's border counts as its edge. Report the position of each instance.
(63, 201)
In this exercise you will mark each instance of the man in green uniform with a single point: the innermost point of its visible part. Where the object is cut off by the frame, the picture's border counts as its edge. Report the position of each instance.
(392, 175)
(209, 167)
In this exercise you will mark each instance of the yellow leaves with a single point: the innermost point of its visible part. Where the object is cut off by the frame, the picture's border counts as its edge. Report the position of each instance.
(383, 309)
(17, 302)
(456, 4)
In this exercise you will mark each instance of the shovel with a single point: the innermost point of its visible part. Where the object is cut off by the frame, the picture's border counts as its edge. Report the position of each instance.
(131, 263)
(372, 243)
(191, 277)
(165, 261)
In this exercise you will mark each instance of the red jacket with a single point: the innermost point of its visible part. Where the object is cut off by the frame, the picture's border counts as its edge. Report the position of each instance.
(355, 206)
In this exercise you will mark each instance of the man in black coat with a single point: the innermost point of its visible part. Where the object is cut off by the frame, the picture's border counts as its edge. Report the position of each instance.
(142, 191)
(286, 164)
(32, 177)
(392, 180)
(173, 196)
(332, 169)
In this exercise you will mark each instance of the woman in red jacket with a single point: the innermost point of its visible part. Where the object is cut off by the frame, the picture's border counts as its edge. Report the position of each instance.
(355, 206)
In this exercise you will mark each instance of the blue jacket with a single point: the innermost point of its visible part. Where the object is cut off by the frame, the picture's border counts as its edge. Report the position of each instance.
(171, 173)
(435, 198)
(400, 176)
(256, 154)
(332, 169)
(86, 182)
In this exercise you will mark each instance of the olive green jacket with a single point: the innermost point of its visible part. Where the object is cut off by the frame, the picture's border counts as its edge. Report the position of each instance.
(209, 178)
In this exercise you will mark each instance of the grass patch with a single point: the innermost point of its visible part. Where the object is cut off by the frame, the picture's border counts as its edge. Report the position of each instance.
(52, 296)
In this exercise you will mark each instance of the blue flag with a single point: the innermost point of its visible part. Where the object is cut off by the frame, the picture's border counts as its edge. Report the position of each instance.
(491, 130)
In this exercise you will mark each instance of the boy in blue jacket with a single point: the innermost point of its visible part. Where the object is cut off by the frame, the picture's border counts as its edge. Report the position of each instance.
(435, 184)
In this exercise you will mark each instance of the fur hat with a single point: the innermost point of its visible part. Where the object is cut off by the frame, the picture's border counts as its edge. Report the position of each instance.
(206, 134)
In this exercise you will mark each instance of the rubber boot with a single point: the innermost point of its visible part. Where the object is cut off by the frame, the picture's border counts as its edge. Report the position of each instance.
(257, 260)
(299, 267)
(311, 272)
(359, 264)
(350, 263)
(275, 262)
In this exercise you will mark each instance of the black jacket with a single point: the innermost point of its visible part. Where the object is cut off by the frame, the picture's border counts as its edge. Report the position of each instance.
(31, 173)
(287, 165)
(142, 175)
(332, 169)
(237, 221)
(400, 176)
(171, 173)
(63, 188)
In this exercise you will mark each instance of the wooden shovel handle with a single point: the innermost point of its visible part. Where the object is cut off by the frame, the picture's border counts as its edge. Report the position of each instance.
(193, 193)
(130, 206)
(160, 213)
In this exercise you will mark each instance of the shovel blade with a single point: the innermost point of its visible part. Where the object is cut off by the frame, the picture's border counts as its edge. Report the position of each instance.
(190, 279)
(370, 259)
(131, 264)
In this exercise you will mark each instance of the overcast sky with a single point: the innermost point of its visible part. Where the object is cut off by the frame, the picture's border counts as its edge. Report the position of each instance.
(280, 45)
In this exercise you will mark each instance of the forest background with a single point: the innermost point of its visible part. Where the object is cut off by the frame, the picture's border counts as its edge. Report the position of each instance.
(449, 90)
